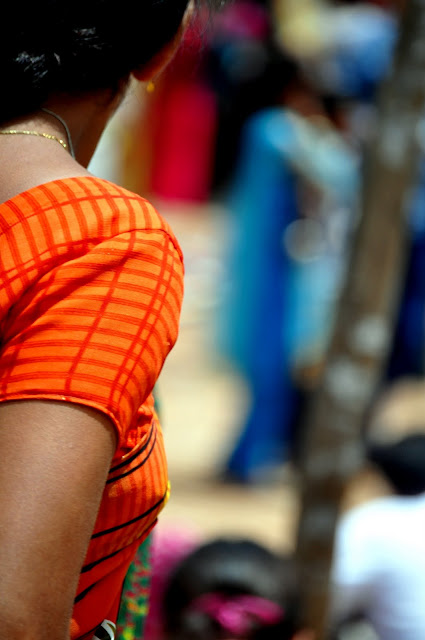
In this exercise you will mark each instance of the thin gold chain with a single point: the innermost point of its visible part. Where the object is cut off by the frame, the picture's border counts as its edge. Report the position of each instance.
(24, 132)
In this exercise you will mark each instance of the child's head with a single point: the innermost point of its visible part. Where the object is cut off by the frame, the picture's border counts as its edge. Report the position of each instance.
(402, 463)
(395, 436)
(231, 589)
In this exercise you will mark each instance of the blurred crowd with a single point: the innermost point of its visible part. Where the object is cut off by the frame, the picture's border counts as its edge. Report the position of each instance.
(273, 121)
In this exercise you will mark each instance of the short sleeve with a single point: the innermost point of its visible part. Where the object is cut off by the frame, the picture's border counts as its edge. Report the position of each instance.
(96, 329)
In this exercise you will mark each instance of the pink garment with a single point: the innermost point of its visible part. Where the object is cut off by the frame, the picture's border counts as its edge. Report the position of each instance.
(169, 547)
(184, 147)
(242, 20)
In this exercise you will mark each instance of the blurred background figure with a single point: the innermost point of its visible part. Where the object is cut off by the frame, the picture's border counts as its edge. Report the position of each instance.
(293, 200)
(379, 562)
(222, 588)
(293, 203)
(180, 126)
(248, 73)
(290, 204)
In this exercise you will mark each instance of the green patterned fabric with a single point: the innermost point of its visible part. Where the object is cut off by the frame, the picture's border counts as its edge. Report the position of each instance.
(135, 598)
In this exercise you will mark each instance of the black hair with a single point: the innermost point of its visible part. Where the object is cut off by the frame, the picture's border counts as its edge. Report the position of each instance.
(79, 46)
(230, 567)
(402, 463)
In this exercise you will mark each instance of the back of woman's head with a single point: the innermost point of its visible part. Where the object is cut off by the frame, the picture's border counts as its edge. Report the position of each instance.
(79, 46)
(231, 588)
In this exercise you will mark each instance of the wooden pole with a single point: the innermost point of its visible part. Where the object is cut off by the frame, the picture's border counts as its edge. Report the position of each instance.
(364, 324)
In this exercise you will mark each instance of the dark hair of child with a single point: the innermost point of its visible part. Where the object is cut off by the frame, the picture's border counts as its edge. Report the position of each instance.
(232, 589)
(402, 463)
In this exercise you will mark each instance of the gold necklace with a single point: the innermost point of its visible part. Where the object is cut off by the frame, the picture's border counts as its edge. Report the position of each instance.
(24, 132)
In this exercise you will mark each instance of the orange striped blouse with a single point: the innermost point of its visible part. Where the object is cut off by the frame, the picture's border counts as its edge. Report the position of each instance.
(91, 290)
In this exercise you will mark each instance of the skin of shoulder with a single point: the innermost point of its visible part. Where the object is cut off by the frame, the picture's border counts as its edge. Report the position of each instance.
(55, 460)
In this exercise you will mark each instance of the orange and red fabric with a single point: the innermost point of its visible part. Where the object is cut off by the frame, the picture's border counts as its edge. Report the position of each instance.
(91, 290)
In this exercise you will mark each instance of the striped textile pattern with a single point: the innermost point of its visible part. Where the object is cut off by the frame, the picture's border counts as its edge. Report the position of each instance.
(91, 290)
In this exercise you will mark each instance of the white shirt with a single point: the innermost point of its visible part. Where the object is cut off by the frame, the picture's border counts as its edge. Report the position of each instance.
(379, 566)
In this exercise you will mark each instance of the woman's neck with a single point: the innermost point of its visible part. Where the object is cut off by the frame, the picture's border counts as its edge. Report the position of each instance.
(28, 160)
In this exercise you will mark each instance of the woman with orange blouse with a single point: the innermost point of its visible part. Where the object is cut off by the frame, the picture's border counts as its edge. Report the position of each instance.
(90, 295)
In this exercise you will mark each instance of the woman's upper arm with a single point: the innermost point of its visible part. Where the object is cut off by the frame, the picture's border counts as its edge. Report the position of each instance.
(55, 458)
